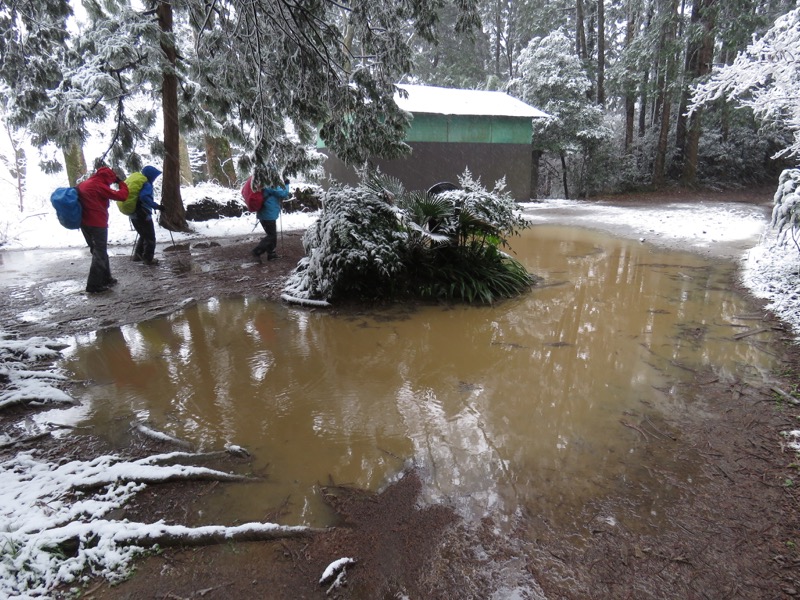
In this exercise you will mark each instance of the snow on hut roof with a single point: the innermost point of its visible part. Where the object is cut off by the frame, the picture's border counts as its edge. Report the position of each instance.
(450, 101)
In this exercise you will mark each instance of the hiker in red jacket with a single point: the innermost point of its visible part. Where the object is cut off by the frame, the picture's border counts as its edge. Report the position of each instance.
(94, 195)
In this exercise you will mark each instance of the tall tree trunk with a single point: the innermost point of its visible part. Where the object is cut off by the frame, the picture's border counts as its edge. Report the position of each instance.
(644, 93)
(75, 161)
(498, 23)
(580, 31)
(630, 108)
(666, 77)
(660, 161)
(706, 16)
(630, 100)
(564, 174)
(536, 157)
(186, 164)
(219, 161)
(694, 44)
(601, 53)
(643, 104)
(173, 216)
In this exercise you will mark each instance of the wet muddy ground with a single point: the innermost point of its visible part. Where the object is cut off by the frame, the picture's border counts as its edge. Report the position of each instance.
(732, 534)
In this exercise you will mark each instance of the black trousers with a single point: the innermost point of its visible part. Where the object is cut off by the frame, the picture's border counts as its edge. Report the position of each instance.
(100, 269)
(146, 245)
(270, 241)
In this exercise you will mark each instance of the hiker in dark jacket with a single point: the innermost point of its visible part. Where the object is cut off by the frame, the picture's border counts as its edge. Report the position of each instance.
(268, 216)
(142, 219)
(95, 194)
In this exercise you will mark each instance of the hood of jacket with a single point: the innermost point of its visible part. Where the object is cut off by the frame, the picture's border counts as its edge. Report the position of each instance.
(151, 173)
(106, 175)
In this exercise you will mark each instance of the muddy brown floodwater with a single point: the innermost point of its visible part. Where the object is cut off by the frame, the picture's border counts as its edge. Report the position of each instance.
(613, 434)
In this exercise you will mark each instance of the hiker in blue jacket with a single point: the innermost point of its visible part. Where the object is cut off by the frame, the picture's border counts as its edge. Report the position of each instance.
(268, 216)
(142, 219)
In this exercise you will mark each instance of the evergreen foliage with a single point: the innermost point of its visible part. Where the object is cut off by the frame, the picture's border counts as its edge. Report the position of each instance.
(553, 78)
(264, 77)
(765, 78)
(379, 242)
(786, 211)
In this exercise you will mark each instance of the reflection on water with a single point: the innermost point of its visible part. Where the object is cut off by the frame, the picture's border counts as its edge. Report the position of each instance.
(530, 405)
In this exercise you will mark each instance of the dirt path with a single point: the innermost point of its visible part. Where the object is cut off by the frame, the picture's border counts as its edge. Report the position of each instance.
(733, 531)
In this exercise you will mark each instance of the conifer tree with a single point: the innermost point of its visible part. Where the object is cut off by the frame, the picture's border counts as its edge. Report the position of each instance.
(249, 69)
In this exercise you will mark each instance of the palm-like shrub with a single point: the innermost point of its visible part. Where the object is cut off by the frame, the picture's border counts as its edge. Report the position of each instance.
(456, 238)
(377, 241)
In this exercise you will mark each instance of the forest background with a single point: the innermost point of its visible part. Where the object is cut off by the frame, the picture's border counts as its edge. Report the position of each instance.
(215, 90)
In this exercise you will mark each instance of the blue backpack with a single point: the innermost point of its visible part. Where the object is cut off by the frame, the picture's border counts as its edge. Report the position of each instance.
(68, 209)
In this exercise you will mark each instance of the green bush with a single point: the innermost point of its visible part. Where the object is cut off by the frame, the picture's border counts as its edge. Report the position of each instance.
(377, 241)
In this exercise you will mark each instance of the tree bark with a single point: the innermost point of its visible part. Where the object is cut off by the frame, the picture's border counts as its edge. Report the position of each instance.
(665, 81)
(703, 13)
(497, 27)
(173, 215)
(75, 162)
(601, 53)
(630, 100)
(219, 161)
(659, 164)
(564, 174)
(536, 156)
(186, 164)
(580, 31)
(643, 104)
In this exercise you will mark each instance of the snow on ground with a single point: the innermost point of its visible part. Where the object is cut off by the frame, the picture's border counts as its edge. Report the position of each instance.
(698, 224)
(37, 226)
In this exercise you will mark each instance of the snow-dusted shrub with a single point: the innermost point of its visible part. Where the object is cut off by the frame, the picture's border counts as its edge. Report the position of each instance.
(379, 241)
(786, 212)
(354, 249)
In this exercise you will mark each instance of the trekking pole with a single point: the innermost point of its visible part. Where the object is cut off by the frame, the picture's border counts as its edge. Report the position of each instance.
(280, 221)
(168, 229)
(135, 240)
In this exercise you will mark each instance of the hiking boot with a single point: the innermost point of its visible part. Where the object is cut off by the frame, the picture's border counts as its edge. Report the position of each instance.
(112, 282)
(151, 261)
(97, 289)
(256, 254)
(136, 258)
(272, 256)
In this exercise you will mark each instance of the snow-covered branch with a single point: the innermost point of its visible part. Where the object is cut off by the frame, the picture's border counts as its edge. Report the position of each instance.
(765, 77)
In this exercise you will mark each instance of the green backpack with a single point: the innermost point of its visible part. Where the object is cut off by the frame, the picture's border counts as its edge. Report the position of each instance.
(135, 181)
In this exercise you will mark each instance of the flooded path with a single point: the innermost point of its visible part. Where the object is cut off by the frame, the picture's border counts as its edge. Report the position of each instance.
(538, 404)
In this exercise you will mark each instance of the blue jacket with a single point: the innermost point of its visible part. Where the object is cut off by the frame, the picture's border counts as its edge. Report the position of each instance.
(146, 203)
(271, 209)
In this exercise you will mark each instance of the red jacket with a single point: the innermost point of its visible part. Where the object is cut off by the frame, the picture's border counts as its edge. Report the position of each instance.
(94, 195)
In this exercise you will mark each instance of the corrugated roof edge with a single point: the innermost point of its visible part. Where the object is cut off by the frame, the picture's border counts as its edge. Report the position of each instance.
(452, 101)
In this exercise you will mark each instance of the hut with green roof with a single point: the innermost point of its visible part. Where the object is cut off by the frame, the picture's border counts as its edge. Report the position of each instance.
(488, 133)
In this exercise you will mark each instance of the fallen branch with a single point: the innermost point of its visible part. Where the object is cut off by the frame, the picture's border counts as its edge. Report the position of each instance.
(304, 301)
(788, 397)
(634, 427)
(186, 474)
(72, 537)
(750, 332)
(24, 440)
(160, 436)
(180, 535)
